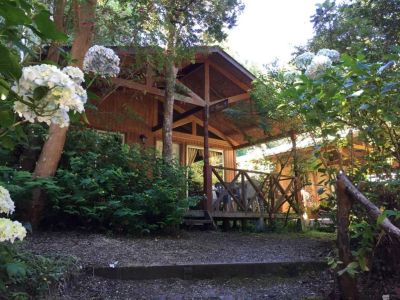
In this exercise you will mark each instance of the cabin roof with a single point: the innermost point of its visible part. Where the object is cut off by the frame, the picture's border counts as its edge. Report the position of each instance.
(229, 91)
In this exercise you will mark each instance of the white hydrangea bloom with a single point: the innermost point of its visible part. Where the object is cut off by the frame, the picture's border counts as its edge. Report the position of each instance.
(6, 204)
(291, 75)
(318, 66)
(303, 60)
(64, 94)
(75, 74)
(11, 230)
(333, 55)
(101, 61)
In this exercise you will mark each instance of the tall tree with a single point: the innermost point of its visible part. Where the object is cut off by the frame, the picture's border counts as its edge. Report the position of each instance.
(84, 15)
(176, 27)
(371, 27)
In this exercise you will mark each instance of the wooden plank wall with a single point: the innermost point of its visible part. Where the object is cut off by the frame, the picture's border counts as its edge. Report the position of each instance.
(134, 114)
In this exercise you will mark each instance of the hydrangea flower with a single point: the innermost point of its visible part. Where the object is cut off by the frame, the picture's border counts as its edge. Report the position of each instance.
(6, 204)
(64, 94)
(303, 60)
(318, 66)
(11, 230)
(101, 61)
(333, 55)
(75, 74)
(291, 75)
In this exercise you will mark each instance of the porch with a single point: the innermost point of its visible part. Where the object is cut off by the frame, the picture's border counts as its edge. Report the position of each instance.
(250, 195)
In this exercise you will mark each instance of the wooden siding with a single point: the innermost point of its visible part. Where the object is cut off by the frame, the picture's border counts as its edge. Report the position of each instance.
(133, 114)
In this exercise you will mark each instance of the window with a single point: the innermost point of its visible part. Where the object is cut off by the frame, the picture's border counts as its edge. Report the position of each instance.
(114, 133)
(176, 149)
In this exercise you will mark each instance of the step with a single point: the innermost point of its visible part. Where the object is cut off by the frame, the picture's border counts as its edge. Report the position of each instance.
(209, 271)
(195, 214)
(193, 222)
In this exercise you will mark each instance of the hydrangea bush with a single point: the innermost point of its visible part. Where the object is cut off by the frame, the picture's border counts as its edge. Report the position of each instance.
(101, 61)
(318, 66)
(313, 66)
(303, 60)
(9, 230)
(48, 94)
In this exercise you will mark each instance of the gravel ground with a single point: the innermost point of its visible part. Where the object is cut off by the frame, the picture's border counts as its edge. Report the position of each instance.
(187, 247)
(311, 286)
(100, 250)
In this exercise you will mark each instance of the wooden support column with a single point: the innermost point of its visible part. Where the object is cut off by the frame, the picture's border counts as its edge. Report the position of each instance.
(207, 168)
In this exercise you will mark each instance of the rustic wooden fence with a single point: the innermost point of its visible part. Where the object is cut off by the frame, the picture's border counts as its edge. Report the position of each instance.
(347, 194)
(256, 192)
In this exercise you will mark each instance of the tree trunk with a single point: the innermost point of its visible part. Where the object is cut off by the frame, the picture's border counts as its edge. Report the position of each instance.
(170, 78)
(347, 284)
(372, 210)
(297, 182)
(84, 14)
(58, 15)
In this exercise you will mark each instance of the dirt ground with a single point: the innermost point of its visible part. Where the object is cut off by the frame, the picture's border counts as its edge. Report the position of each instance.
(311, 286)
(188, 247)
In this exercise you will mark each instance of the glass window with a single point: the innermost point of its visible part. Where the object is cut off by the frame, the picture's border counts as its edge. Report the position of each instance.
(176, 149)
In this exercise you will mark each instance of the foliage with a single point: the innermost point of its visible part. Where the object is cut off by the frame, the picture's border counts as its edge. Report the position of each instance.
(358, 26)
(106, 185)
(24, 26)
(27, 276)
(353, 99)
(100, 184)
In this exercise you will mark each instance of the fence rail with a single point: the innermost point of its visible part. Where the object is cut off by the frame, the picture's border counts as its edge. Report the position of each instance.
(254, 191)
(347, 193)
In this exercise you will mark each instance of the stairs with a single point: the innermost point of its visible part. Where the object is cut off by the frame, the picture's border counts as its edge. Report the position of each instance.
(199, 219)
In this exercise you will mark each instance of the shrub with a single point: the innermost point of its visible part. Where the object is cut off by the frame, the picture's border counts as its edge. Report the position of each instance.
(107, 185)
(27, 276)
(101, 184)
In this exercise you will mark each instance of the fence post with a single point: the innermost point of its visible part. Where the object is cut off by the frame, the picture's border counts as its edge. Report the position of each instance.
(347, 284)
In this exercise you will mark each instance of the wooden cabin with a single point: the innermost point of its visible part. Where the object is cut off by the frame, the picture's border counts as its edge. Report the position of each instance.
(212, 83)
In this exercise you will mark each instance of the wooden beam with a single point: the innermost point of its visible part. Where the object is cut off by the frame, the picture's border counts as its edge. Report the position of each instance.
(198, 140)
(193, 94)
(206, 117)
(194, 128)
(155, 91)
(233, 99)
(230, 76)
(149, 76)
(207, 82)
(192, 72)
(214, 130)
(218, 133)
(181, 117)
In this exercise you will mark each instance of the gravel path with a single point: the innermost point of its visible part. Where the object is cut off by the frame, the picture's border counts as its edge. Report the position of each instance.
(100, 250)
(188, 247)
(311, 286)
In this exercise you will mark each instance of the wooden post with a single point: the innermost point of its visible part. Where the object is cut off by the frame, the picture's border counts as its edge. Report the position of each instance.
(206, 115)
(347, 284)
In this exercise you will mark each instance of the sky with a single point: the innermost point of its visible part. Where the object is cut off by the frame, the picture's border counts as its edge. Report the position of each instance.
(269, 29)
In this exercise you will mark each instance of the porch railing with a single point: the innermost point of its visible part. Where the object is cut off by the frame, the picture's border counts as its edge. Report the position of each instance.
(255, 191)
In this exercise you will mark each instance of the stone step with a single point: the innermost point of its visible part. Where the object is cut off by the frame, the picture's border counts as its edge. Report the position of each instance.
(198, 222)
(209, 271)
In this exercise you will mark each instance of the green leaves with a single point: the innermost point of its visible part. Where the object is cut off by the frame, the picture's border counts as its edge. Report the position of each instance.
(16, 270)
(46, 27)
(40, 92)
(13, 14)
(9, 65)
(351, 269)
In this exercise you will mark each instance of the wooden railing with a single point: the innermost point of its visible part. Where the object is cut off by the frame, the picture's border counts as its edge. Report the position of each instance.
(255, 191)
(347, 193)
